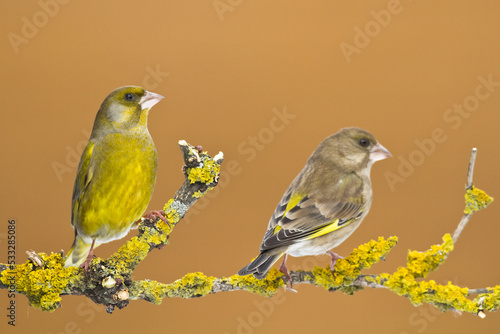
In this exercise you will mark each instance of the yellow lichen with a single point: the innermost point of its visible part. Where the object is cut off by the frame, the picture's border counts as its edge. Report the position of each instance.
(476, 199)
(42, 285)
(198, 194)
(348, 269)
(151, 291)
(163, 228)
(264, 287)
(489, 301)
(129, 255)
(442, 296)
(172, 215)
(191, 285)
(308, 277)
(373, 279)
(419, 264)
(152, 237)
(403, 282)
(206, 173)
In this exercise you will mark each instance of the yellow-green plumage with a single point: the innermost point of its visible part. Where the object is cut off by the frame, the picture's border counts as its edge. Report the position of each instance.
(117, 172)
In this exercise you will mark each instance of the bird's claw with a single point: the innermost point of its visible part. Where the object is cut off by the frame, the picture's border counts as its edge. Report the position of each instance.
(335, 257)
(157, 214)
(85, 265)
(284, 270)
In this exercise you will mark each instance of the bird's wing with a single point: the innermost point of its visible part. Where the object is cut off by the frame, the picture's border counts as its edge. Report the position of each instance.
(83, 178)
(306, 216)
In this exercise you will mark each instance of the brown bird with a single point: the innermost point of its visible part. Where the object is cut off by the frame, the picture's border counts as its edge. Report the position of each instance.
(324, 204)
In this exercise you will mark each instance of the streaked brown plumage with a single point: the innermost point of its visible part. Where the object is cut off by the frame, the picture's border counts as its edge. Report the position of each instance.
(324, 204)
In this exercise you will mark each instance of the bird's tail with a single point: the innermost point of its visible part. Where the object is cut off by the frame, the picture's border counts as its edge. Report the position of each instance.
(78, 252)
(260, 265)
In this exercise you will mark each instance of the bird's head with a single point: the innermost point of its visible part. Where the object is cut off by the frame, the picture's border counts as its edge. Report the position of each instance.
(125, 108)
(355, 148)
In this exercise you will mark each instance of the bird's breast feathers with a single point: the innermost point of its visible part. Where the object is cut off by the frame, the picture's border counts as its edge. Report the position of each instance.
(123, 178)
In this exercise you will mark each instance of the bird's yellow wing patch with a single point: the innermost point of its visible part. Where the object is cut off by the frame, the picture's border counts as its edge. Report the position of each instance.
(292, 202)
(333, 226)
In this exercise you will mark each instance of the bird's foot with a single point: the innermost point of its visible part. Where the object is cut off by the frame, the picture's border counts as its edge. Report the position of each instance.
(284, 270)
(85, 265)
(152, 215)
(335, 257)
(157, 214)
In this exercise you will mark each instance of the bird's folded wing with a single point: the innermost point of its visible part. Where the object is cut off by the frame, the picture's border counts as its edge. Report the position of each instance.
(83, 178)
(301, 217)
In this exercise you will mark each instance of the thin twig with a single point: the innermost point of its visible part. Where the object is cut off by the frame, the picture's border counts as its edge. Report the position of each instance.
(463, 222)
(479, 291)
(470, 170)
(466, 217)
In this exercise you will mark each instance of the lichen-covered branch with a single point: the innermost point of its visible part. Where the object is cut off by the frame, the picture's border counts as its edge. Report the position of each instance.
(445, 297)
(107, 282)
(475, 199)
(43, 278)
(197, 284)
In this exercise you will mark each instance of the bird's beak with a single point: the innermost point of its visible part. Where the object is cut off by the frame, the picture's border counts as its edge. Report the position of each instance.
(149, 99)
(378, 152)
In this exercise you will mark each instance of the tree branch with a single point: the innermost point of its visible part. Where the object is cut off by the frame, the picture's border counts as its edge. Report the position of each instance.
(470, 172)
(43, 278)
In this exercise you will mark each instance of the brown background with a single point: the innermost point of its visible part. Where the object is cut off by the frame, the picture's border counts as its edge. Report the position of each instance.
(225, 78)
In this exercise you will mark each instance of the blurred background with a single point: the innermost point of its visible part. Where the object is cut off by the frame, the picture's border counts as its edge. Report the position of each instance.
(264, 82)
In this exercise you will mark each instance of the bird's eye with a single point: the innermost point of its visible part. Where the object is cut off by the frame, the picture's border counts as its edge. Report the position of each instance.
(363, 142)
(129, 97)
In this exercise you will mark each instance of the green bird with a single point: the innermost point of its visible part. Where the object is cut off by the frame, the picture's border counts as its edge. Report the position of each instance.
(324, 204)
(116, 175)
